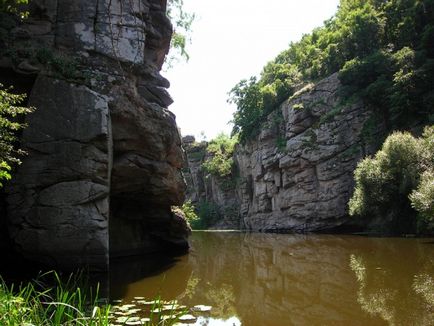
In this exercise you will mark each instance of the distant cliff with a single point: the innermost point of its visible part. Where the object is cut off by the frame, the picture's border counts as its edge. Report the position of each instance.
(215, 198)
(104, 153)
(297, 174)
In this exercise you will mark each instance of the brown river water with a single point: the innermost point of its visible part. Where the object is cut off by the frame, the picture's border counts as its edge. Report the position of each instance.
(279, 279)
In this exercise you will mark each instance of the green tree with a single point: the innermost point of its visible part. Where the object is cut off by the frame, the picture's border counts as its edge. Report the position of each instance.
(10, 110)
(220, 151)
(396, 180)
(384, 51)
(182, 22)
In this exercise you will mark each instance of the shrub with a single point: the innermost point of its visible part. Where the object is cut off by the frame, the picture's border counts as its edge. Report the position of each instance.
(220, 161)
(422, 199)
(384, 183)
(10, 109)
(189, 211)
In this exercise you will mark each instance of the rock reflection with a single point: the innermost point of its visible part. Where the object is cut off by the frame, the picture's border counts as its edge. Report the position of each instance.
(271, 279)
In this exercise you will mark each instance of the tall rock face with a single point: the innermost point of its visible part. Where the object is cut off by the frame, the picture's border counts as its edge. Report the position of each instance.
(211, 195)
(298, 174)
(104, 153)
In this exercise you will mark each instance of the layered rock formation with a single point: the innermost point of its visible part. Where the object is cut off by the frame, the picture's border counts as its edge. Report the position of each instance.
(104, 153)
(297, 175)
(204, 189)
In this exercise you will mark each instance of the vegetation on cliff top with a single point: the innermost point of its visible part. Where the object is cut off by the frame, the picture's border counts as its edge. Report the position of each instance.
(397, 185)
(383, 49)
(219, 159)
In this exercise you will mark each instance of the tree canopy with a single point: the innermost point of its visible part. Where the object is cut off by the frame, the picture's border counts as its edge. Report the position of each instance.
(397, 184)
(380, 47)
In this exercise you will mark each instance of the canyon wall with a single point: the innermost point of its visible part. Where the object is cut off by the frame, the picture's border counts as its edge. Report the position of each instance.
(212, 195)
(104, 154)
(297, 174)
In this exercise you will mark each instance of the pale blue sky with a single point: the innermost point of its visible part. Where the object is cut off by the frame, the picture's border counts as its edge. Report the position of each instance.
(233, 40)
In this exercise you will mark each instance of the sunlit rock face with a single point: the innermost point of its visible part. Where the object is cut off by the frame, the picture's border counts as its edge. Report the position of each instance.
(104, 153)
(297, 175)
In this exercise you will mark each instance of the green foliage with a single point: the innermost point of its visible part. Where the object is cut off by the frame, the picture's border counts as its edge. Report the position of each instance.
(10, 110)
(182, 22)
(189, 212)
(208, 215)
(37, 303)
(422, 198)
(384, 51)
(219, 161)
(54, 301)
(200, 216)
(401, 171)
(13, 6)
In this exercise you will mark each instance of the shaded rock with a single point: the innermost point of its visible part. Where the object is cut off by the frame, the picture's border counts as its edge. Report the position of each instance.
(206, 189)
(99, 147)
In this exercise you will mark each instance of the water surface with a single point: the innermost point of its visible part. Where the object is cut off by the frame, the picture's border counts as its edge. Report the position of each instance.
(277, 279)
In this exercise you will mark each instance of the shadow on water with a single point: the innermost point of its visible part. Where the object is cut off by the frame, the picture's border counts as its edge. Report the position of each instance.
(127, 273)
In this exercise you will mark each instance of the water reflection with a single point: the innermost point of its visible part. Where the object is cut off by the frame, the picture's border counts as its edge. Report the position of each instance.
(400, 295)
(270, 279)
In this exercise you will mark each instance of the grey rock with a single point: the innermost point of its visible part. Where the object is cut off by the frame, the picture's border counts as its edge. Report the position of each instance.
(304, 186)
(104, 157)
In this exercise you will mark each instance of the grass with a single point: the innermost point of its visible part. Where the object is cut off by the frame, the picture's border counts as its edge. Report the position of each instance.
(64, 302)
(37, 303)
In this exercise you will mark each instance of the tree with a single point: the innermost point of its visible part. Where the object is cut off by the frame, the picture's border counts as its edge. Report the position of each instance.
(181, 37)
(397, 184)
(220, 161)
(384, 51)
(10, 110)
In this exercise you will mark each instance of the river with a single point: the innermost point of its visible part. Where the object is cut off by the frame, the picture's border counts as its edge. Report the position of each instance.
(280, 279)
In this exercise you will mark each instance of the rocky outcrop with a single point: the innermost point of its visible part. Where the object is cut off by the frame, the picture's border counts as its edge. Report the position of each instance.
(104, 153)
(211, 195)
(298, 174)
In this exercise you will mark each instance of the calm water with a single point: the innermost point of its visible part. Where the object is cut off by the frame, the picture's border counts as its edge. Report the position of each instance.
(274, 279)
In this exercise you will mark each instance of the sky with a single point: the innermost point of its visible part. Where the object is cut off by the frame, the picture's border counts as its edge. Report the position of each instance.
(233, 40)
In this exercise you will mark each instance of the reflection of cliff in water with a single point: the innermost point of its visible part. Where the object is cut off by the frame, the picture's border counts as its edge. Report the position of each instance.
(273, 279)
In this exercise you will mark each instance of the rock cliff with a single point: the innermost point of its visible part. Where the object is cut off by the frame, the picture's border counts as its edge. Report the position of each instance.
(104, 153)
(213, 195)
(297, 175)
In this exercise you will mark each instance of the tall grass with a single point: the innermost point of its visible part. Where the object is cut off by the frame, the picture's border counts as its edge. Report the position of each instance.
(61, 303)
(51, 300)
